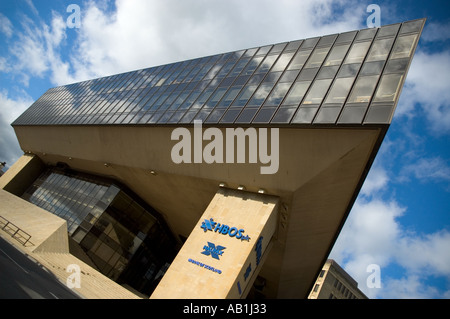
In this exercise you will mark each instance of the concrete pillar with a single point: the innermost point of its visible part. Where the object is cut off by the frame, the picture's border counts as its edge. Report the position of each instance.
(225, 251)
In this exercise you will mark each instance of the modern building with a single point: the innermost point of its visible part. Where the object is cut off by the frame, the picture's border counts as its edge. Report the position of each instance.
(225, 176)
(334, 282)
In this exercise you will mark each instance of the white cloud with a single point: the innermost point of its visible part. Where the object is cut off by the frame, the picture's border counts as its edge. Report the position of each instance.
(435, 31)
(35, 51)
(375, 181)
(427, 169)
(5, 26)
(410, 287)
(427, 85)
(373, 235)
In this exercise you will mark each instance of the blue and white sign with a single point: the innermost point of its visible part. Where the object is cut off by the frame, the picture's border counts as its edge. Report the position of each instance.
(213, 250)
(211, 225)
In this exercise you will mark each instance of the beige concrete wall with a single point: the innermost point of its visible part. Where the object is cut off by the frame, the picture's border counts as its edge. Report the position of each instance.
(21, 174)
(187, 277)
(48, 232)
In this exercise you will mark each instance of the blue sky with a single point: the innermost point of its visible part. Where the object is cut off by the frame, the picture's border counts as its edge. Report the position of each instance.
(401, 219)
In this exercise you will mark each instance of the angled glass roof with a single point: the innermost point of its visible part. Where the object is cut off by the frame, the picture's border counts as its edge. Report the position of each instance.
(348, 78)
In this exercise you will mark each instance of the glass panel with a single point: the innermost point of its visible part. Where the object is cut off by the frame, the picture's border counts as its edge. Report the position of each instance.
(289, 76)
(277, 94)
(293, 45)
(327, 72)
(215, 116)
(230, 116)
(250, 52)
(403, 46)
(229, 97)
(282, 62)
(397, 66)
(346, 37)
(305, 115)
(352, 114)
(247, 115)
(317, 92)
(261, 94)
(245, 94)
(310, 43)
(299, 59)
(254, 63)
(389, 88)
(264, 115)
(327, 115)
(284, 114)
(357, 52)
(267, 63)
(339, 91)
(239, 67)
(307, 74)
(366, 34)
(363, 89)
(317, 58)
(264, 50)
(388, 30)
(379, 114)
(327, 40)
(336, 55)
(297, 92)
(372, 68)
(272, 77)
(380, 49)
(412, 26)
(277, 48)
(348, 70)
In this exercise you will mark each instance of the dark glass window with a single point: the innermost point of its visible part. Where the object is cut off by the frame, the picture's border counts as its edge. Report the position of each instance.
(121, 235)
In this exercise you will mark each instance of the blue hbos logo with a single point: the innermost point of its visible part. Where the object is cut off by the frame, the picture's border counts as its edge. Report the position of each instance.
(224, 229)
(213, 250)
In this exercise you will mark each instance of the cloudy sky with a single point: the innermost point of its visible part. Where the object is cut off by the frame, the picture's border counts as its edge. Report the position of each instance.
(401, 220)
